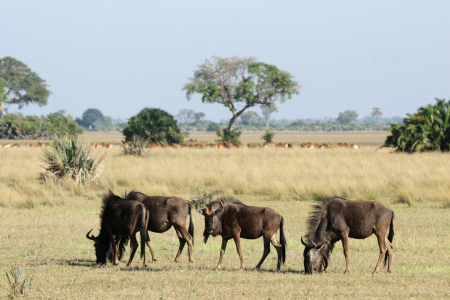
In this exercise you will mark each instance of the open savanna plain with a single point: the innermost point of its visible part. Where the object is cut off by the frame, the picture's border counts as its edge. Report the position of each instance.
(43, 226)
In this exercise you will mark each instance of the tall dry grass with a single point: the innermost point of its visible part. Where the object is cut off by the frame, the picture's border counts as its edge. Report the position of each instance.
(275, 174)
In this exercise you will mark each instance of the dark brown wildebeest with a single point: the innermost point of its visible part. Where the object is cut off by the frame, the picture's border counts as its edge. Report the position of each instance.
(232, 219)
(120, 217)
(339, 219)
(166, 212)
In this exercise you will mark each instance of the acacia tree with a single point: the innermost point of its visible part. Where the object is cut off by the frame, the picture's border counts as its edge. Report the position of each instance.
(186, 115)
(267, 110)
(376, 112)
(240, 83)
(23, 86)
(347, 116)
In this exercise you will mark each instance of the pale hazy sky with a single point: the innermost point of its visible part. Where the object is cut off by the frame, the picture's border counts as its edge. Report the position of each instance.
(122, 56)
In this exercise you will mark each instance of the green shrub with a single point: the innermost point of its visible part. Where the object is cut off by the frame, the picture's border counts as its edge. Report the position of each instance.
(230, 136)
(71, 159)
(154, 124)
(14, 126)
(426, 130)
(268, 136)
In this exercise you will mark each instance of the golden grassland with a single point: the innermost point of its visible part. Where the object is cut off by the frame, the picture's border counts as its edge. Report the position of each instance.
(44, 225)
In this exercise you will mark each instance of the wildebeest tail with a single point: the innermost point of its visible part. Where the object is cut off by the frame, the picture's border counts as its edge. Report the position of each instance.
(282, 241)
(191, 225)
(143, 216)
(390, 235)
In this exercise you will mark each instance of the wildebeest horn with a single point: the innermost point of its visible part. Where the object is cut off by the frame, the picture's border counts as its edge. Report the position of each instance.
(92, 237)
(304, 244)
(311, 243)
(199, 210)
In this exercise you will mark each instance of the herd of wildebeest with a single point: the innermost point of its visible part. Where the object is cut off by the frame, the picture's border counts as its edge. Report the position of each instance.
(332, 220)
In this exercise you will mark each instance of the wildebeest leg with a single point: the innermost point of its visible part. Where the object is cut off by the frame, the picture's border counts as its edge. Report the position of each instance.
(133, 245)
(187, 238)
(151, 250)
(266, 252)
(182, 242)
(330, 250)
(112, 240)
(222, 253)
(390, 253)
(344, 236)
(237, 240)
(277, 246)
(382, 245)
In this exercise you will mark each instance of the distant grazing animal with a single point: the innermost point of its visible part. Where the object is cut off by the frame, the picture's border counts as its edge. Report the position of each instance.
(6, 145)
(355, 146)
(15, 145)
(120, 217)
(232, 219)
(339, 219)
(166, 212)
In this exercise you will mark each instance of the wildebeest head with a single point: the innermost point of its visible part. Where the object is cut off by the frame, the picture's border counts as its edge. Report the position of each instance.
(314, 257)
(209, 213)
(102, 246)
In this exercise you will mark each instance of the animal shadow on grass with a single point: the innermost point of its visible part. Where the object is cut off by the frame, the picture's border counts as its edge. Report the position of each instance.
(289, 270)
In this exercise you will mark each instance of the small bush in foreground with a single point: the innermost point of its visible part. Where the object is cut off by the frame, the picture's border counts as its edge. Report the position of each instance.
(68, 158)
(135, 147)
(268, 136)
(230, 136)
(18, 282)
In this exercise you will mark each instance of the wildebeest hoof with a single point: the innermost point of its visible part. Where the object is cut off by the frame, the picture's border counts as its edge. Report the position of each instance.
(217, 269)
(346, 272)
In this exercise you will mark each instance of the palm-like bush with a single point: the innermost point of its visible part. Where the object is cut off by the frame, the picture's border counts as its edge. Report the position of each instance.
(426, 130)
(68, 158)
(135, 147)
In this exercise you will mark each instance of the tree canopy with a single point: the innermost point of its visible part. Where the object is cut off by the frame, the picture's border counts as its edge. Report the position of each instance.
(240, 83)
(347, 116)
(186, 115)
(376, 112)
(23, 86)
(154, 124)
(426, 130)
(267, 110)
(91, 115)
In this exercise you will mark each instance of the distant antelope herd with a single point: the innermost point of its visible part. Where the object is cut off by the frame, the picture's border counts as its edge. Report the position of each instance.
(249, 145)
(227, 145)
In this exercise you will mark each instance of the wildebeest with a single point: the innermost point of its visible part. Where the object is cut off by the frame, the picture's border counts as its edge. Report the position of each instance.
(120, 217)
(230, 218)
(166, 212)
(338, 219)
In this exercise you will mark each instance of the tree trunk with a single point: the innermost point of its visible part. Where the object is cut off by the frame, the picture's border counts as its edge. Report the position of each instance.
(267, 123)
(232, 121)
(235, 116)
(1, 109)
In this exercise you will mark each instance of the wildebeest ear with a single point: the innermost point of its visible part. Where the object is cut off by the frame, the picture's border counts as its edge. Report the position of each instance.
(218, 211)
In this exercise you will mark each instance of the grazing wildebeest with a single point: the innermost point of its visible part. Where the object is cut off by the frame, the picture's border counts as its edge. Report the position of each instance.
(166, 212)
(339, 219)
(120, 217)
(230, 218)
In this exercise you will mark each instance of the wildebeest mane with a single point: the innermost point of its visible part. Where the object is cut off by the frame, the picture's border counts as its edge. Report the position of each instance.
(225, 200)
(314, 216)
(108, 199)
